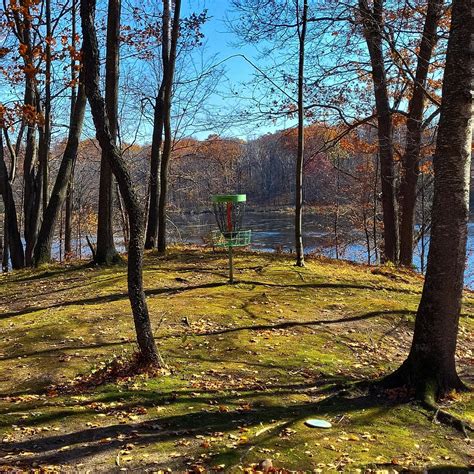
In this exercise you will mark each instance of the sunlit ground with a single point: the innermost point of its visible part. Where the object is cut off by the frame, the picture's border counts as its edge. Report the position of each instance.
(249, 364)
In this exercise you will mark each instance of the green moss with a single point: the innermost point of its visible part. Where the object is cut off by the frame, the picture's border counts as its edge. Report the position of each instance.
(250, 362)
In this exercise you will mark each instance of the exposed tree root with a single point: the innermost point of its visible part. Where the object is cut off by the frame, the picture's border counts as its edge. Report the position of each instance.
(427, 392)
(407, 393)
(449, 419)
(442, 416)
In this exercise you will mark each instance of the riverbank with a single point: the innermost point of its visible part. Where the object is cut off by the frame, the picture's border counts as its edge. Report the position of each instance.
(249, 363)
(273, 231)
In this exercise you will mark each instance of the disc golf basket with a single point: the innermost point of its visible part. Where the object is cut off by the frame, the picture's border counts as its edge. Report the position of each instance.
(229, 212)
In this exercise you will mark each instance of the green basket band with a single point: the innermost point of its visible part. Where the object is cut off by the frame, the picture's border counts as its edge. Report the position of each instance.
(240, 238)
(229, 198)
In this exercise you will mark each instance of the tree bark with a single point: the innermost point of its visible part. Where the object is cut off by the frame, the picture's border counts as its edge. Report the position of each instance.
(42, 253)
(300, 150)
(148, 352)
(106, 252)
(430, 367)
(4, 249)
(32, 174)
(32, 193)
(372, 22)
(12, 239)
(45, 135)
(168, 75)
(70, 187)
(416, 108)
(155, 159)
(68, 218)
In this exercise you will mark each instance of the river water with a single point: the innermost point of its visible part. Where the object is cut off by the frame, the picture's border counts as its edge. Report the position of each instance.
(273, 231)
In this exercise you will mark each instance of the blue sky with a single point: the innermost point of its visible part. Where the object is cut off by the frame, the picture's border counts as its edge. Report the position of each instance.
(221, 43)
(220, 40)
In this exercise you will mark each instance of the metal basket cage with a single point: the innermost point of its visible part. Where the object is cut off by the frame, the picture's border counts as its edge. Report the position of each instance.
(240, 238)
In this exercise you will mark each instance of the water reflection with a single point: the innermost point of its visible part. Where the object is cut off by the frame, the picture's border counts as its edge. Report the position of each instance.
(273, 231)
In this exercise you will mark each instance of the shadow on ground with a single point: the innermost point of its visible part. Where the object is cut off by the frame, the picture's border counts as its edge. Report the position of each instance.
(76, 446)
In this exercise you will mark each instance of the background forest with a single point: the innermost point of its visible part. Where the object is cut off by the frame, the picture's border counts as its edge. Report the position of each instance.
(233, 120)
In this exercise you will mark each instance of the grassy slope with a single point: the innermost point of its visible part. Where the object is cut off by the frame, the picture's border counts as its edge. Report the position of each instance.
(250, 363)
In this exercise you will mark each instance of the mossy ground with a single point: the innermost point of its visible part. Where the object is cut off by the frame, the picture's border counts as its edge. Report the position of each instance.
(250, 362)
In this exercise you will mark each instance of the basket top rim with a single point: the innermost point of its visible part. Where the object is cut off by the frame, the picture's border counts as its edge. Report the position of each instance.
(229, 198)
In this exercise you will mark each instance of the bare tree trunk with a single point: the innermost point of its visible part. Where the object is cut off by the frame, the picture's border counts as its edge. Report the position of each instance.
(106, 252)
(70, 187)
(367, 238)
(375, 210)
(155, 160)
(414, 132)
(61, 235)
(168, 75)
(13, 246)
(79, 229)
(32, 194)
(300, 150)
(372, 20)
(423, 226)
(13, 155)
(32, 176)
(42, 253)
(68, 218)
(4, 249)
(336, 211)
(146, 343)
(45, 136)
(123, 219)
(430, 367)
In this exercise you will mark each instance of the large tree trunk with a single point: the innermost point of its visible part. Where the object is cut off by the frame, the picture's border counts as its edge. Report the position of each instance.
(45, 135)
(32, 177)
(146, 343)
(42, 253)
(106, 252)
(300, 151)
(70, 187)
(13, 245)
(416, 107)
(155, 159)
(32, 193)
(68, 218)
(372, 22)
(430, 367)
(168, 75)
(4, 251)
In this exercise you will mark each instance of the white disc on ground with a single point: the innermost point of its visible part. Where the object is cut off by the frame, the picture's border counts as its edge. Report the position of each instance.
(315, 423)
